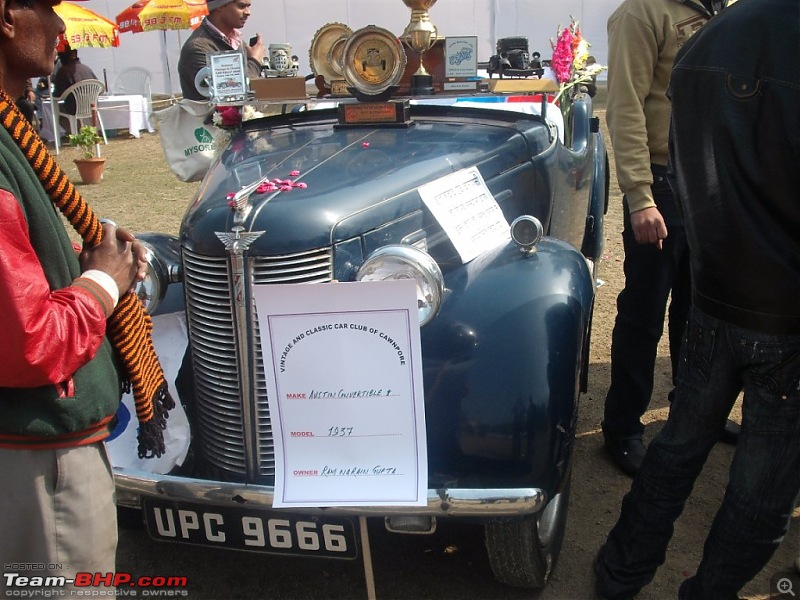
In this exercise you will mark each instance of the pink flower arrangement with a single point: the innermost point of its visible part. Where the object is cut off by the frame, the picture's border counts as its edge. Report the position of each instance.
(564, 52)
(571, 63)
(227, 117)
(231, 117)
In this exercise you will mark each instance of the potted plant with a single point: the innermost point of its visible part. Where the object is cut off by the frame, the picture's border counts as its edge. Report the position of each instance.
(91, 165)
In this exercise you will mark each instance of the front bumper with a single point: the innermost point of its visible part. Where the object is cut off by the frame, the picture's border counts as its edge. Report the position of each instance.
(133, 485)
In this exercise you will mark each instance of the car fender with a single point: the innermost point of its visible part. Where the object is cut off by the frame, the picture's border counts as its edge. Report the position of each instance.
(501, 363)
(598, 200)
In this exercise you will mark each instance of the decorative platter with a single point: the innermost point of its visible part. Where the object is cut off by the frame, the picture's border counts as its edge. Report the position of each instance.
(373, 60)
(321, 45)
(336, 56)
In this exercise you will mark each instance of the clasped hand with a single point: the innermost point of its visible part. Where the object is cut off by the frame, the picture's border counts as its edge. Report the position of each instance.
(120, 255)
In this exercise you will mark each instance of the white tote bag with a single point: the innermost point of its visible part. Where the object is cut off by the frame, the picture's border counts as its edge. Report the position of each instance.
(187, 140)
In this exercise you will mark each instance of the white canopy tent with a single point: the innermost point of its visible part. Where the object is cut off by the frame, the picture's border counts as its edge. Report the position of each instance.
(296, 21)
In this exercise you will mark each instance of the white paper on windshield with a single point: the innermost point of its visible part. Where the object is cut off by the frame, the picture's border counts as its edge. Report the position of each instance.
(344, 377)
(467, 211)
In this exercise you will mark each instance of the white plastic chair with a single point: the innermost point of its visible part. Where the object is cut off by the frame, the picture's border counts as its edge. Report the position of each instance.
(134, 81)
(86, 93)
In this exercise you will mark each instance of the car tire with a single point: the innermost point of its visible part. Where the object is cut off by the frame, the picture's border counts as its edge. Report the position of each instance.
(523, 553)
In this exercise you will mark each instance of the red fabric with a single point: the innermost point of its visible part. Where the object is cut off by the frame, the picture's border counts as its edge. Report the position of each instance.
(47, 335)
(530, 98)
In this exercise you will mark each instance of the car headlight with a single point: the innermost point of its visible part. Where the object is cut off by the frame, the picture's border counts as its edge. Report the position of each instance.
(408, 262)
(526, 232)
(153, 288)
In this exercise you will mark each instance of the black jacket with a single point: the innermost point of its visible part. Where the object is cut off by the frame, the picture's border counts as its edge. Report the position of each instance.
(735, 160)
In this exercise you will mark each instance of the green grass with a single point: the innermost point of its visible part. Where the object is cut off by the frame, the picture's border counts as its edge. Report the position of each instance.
(138, 190)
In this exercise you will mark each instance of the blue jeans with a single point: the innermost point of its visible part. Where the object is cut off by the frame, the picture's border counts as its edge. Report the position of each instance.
(651, 275)
(718, 360)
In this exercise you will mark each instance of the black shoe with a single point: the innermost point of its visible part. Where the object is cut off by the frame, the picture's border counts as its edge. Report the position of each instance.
(599, 593)
(683, 590)
(730, 435)
(627, 453)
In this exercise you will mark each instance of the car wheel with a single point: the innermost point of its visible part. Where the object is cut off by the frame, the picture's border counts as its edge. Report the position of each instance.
(523, 552)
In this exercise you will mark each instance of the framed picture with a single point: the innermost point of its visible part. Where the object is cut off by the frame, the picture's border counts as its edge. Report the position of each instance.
(461, 57)
(228, 77)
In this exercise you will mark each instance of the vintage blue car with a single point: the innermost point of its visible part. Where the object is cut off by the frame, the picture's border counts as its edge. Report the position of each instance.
(504, 336)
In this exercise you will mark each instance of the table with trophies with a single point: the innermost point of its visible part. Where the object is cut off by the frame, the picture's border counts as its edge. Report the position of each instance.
(374, 64)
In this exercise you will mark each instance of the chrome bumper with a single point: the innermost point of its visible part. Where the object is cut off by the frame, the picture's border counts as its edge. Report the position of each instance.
(132, 485)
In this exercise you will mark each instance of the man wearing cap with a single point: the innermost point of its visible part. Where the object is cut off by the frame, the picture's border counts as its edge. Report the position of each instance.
(220, 31)
(62, 364)
(70, 72)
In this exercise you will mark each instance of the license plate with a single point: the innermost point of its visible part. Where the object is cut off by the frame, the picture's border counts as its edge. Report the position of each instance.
(267, 531)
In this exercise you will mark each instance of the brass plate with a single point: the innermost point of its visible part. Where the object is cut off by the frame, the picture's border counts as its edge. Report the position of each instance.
(373, 60)
(336, 55)
(321, 44)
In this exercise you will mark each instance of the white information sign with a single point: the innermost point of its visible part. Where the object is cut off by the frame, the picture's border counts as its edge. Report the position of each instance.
(467, 211)
(228, 76)
(344, 377)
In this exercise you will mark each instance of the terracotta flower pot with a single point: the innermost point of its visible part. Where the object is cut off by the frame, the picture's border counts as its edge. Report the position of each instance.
(91, 169)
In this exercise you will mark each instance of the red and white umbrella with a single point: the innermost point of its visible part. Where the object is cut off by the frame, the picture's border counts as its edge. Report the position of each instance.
(85, 28)
(160, 15)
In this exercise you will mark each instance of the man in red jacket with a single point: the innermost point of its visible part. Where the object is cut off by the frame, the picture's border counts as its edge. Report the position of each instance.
(60, 385)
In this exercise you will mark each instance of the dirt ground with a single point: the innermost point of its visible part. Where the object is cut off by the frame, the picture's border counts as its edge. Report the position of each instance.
(140, 192)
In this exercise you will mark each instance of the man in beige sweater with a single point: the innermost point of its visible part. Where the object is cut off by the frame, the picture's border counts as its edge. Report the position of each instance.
(644, 37)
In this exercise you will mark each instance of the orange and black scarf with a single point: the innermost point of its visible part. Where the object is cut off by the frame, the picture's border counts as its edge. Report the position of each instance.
(129, 328)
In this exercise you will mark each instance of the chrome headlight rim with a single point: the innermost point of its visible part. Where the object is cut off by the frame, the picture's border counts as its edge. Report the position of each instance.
(397, 259)
(526, 232)
(153, 288)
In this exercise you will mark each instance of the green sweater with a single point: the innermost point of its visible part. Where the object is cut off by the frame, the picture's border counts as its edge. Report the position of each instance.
(42, 412)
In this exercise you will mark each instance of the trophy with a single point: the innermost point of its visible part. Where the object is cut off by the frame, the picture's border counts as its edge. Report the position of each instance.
(420, 35)
(280, 61)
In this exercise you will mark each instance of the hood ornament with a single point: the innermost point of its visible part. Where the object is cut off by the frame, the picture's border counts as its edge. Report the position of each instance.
(240, 201)
(237, 241)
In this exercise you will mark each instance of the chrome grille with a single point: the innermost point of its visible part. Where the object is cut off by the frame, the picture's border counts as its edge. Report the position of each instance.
(219, 364)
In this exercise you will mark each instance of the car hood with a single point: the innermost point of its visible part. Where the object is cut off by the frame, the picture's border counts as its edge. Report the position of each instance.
(340, 182)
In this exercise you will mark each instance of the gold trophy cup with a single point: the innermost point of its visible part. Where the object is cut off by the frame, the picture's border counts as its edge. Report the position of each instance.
(420, 35)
